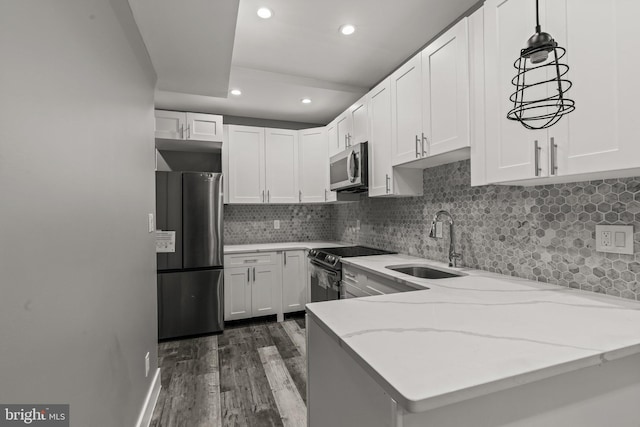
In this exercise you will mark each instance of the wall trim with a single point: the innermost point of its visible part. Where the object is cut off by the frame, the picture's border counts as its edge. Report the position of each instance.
(150, 402)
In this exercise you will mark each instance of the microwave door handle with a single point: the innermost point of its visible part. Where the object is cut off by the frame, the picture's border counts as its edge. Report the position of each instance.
(351, 170)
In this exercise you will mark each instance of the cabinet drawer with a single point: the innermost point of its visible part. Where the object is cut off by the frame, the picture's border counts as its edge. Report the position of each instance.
(378, 285)
(250, 259)
(351, 291)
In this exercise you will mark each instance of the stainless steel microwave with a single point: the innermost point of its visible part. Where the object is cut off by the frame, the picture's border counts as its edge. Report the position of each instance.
(348, 169)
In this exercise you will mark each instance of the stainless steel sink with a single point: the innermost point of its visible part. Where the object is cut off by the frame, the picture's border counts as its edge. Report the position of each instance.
(425, 272)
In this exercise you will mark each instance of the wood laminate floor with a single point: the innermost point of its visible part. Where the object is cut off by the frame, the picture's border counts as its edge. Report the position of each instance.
(253, 374)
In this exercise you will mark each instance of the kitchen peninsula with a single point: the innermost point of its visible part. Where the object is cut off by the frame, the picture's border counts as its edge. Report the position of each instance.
(478, 350)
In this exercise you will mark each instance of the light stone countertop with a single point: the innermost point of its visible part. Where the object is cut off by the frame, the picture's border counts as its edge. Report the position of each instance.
(286, 246)
(470, 336)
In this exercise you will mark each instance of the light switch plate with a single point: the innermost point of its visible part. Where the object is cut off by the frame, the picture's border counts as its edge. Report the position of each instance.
(276, 224)
(615, 239)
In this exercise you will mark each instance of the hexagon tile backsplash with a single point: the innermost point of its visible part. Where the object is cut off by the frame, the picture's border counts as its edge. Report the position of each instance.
(254, 223)
(544, 233)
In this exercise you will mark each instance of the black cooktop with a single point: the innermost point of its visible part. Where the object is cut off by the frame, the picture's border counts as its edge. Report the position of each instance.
(352, 251)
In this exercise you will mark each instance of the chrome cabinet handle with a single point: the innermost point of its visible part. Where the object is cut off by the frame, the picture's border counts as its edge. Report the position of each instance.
(417, 146)
(188, 132)
(248, 275)
(388, 183)
(262, 196)
(554, 157)
(346, 141)
(425, 140)
(325, 194)
(349, 139)
(182, 131)
(254, 274)
(268, 197)
(536, 158)
(300, 196)
(285, 258)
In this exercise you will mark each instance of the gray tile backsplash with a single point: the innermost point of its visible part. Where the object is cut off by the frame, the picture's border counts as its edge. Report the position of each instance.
(254, 223)
(544, 233)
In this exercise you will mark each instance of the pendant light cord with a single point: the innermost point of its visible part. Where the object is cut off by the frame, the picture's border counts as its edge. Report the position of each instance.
(537, 18)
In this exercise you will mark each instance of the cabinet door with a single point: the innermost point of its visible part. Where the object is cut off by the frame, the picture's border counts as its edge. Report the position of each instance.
(406, 110)
(281, 165)
(359, 122)
(510, 148)
(343, 126)
(237, 293)
(313, 164)
(266, 293)
(445, 70)
(332, 134)
(379, 141)
(170, 124)
(294, 281)
(204, 127)
(246, 164)
(604, 128)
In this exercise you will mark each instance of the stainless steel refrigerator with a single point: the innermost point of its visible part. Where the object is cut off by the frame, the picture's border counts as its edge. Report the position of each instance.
(190, 280)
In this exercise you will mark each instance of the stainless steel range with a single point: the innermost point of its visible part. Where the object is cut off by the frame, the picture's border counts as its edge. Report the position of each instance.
(326, 269)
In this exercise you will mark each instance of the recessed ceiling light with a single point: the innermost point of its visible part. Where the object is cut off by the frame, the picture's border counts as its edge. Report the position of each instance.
(305, 101)
(265, 13)
(347, 29)
(236, 92)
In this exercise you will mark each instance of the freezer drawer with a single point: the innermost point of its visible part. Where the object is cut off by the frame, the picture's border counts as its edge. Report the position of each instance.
(190, 303)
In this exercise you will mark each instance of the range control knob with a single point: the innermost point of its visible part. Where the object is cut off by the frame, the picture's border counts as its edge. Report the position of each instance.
(312, 252)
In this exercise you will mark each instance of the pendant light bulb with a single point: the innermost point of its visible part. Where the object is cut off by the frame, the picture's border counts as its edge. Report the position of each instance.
(539, 56)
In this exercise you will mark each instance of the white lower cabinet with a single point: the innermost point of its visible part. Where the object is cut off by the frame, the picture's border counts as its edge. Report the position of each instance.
(264, 283)
(252, 285)
(294, 281)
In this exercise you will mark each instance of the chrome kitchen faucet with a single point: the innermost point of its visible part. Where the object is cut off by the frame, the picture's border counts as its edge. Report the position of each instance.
(453, 256)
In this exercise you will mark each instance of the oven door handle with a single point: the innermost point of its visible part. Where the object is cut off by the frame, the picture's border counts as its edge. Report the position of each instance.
(323, 267)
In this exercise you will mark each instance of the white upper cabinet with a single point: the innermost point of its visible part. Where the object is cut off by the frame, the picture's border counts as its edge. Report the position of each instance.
(313, 165)
(261, 165)
(343, 129)
(430, 102)
(204, 127)
(511, 150)
(246, 176)
(334, 142)
(281, 166)
(406, 112)
(597, 139)
(359, 121)
(170, 124)
(384, 180)
(603, 130)
(188, 126)
(445, 89)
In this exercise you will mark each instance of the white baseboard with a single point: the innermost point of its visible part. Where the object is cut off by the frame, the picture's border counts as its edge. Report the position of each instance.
(150, 402)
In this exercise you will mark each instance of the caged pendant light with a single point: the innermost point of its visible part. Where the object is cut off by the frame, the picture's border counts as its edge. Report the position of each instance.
(535, 104)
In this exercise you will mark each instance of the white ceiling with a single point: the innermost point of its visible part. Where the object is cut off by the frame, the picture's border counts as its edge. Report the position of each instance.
(297, 53)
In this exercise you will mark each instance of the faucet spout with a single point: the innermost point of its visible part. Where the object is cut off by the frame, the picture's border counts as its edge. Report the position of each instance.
(453, 255)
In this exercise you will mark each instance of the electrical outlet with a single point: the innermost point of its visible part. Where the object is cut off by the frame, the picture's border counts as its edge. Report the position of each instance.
(276, 224)
(615, 239)
(357, 224)
(146, 365)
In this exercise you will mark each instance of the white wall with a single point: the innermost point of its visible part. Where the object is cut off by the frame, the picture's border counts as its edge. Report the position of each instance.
(77, 266)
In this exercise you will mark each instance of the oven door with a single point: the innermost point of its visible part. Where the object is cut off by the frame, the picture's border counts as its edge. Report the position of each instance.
(325, 283)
